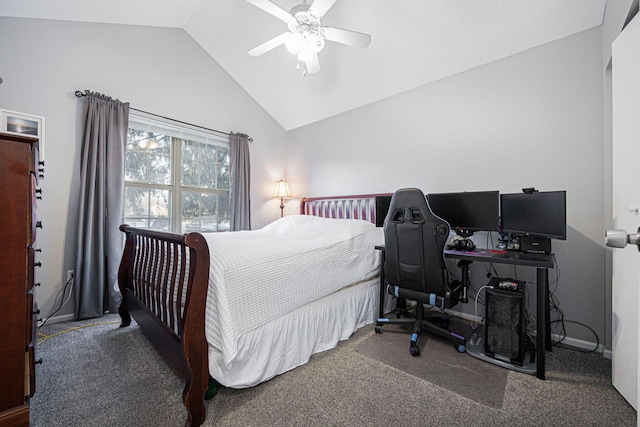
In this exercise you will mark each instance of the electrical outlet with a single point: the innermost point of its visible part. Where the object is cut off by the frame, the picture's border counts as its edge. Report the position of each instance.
(70, 274)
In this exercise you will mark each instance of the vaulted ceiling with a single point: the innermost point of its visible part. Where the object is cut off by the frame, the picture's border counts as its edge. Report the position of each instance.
(413, 42)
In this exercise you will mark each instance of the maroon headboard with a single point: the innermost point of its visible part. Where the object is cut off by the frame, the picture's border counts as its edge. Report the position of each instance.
(370, 207)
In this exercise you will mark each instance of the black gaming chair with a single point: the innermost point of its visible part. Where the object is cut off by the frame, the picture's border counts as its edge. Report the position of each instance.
(414, 264)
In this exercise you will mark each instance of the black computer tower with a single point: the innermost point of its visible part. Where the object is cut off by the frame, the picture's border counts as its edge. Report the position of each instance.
(505, 327)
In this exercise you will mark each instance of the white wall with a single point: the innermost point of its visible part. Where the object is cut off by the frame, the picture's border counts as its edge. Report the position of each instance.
(162, 71)
(530, 120)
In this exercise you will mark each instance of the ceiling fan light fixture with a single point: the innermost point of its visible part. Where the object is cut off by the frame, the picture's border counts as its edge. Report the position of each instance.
(293, 43)
(304, 43)
(315, 41)
(306, 36)
(305, 53)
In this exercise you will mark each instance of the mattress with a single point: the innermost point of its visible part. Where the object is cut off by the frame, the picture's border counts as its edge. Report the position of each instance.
(259, 276)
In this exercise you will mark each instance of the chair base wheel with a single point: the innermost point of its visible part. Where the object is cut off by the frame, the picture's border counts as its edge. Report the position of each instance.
(414, 350)
(461, 348)
(378, 329)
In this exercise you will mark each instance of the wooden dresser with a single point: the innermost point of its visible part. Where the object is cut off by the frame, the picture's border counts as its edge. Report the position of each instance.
(20, 170)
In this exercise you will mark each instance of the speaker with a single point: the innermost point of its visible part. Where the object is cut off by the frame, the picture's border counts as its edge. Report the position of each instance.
(504, 330)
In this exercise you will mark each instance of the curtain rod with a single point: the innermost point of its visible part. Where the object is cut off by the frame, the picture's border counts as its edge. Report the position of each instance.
(79, 94)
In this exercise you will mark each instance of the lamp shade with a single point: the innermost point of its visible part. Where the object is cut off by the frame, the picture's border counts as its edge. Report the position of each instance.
(282, 189)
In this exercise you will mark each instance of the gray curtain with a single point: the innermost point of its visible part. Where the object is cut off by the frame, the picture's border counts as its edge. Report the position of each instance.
(99, 242)
(240, 182)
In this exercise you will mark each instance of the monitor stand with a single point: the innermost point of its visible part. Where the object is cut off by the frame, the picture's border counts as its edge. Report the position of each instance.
(475, 348)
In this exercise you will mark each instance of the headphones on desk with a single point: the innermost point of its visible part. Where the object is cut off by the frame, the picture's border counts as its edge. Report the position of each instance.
(462, 244)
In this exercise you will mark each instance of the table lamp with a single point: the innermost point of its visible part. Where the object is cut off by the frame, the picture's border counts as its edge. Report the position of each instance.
(282, 191)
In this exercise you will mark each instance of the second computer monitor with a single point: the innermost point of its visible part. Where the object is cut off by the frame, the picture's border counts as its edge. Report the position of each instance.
(467, 212)
(535, 214)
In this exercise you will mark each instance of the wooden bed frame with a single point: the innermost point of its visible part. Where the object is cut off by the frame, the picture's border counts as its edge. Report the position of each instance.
(164, 277)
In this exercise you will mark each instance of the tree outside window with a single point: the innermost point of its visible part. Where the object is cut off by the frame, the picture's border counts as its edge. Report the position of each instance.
(193, 198)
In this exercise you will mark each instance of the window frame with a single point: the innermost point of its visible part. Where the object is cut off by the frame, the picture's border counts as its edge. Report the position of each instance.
(177, 132)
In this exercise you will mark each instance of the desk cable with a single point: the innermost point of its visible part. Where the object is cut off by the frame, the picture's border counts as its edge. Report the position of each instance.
(554, 305)
(61, 293)
(474, 323)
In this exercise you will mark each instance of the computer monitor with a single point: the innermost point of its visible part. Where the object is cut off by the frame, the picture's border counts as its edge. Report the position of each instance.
(535, 214)
(467, 212)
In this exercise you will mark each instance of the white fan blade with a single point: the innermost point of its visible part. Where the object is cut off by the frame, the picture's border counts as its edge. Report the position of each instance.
(351, 38)
(270, 44)
(320, 7)
(273, 9)
(313, 64)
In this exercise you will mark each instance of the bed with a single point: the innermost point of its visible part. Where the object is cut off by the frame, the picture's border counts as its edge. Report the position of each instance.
(236, 309)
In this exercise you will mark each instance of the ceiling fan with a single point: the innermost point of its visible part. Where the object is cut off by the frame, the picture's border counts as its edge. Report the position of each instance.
(306, 34)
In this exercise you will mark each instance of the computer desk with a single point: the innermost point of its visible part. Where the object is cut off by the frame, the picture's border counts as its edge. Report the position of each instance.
(542, 263)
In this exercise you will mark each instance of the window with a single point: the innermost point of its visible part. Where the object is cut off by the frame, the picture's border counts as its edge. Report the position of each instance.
(176, 178)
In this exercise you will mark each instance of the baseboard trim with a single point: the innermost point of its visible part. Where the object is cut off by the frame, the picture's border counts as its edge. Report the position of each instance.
(465, 316)
(581, 344)
(59, 319)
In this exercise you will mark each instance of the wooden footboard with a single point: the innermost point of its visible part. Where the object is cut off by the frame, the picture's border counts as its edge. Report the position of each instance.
(163, 279)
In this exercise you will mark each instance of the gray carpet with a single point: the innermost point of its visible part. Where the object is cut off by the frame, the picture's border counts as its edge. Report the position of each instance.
(103, 375)
(439, 363)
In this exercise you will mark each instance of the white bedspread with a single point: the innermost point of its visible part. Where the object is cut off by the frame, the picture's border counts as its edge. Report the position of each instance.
(257, 276)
